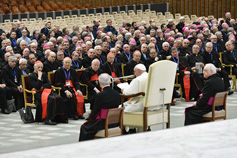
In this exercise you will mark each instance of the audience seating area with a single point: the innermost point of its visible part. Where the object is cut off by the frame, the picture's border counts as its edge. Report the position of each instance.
(117, 19)
(32, 6)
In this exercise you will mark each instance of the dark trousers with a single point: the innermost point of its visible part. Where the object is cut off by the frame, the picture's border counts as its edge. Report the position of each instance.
(224, 75)
(19, 98)
(5, 94)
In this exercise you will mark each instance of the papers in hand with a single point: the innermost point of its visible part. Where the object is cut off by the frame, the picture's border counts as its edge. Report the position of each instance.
(123, 85)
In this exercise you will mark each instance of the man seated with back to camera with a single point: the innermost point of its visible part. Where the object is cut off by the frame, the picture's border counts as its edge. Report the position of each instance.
(105, 100)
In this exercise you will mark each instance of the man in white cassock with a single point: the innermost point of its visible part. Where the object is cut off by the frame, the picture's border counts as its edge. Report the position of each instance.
(135, 104)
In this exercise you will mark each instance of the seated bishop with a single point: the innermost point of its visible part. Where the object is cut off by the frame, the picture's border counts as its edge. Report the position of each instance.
(49, 106)
(104, 101)
(112, 69)
(90, 77)
(66, 78)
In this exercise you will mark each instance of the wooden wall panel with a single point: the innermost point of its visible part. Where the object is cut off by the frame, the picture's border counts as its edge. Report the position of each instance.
(218, 8)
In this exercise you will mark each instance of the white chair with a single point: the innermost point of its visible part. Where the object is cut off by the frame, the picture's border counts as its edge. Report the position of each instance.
(158, 77)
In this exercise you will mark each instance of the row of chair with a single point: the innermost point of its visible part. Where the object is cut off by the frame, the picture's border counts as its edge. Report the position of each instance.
(143, 119)
(28, 93)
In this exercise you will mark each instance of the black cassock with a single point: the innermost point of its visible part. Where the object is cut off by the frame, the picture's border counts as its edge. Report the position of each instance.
(212, 86)
(48, 66)
(129, 67)
(148, 62)
(55, 105)
(107, 99)
(112, 69)
(213, 58)
(60, 81)
(88, 78)
(197, 80)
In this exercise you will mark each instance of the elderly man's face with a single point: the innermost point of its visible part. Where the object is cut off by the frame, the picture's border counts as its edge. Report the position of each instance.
(23, 45)
(206, 72)
(110, 58)
(95, 65)
(166, 47)
(195, 49)
(52, 57)
(209, 48)
(91, 54)
(38, 67)
(12, 63)
(60, 56)
(67, 63)
(23, 65)
(10, 50)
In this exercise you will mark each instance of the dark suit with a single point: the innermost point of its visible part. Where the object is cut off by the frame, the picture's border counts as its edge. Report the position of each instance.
(45, 31)
(9, 75)
(104, 100)
(230, 58)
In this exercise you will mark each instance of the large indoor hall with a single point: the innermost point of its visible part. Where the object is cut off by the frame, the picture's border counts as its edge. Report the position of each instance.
(118, 78)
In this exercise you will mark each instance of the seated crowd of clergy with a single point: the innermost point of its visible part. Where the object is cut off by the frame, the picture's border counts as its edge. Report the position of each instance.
(103, 49)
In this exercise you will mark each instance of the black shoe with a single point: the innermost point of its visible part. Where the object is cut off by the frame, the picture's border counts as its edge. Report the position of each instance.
(172, 104)
(230, 92)
(81, 117)
(75, 117)
(5, 111)
(49, 122)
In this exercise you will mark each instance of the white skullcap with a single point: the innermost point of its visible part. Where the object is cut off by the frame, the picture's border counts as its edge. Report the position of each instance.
(141, 67)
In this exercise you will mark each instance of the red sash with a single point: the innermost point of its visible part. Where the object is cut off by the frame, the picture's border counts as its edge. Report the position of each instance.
(44, 102)
(95, 77)
(80, 99)
(186, 82)
(113, 74)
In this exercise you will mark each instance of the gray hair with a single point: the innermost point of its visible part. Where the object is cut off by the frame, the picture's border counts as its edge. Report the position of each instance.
(11, 58)
(144, 44)
(127, 35)
(119, 42)
(22, 60)
(209, 43)
(211, 67)
(8, 47)
(104, 79)
(218, 33)
(164, 44)
(96, 47)
(98, 41)
(74, 27)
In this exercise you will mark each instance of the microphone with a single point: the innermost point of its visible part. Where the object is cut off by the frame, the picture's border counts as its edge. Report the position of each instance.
(129, 76)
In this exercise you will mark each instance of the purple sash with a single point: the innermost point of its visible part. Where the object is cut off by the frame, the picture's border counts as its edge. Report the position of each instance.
(102, 114)
(210, 101)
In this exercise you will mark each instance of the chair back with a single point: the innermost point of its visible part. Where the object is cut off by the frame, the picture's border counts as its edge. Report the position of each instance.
(25, 82)
(79, 72)
(51, 77)
(159, 78)
(220, 99)
(114, 116)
